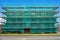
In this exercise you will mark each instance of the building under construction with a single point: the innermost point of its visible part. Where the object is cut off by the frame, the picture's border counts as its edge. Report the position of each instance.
(32, 20)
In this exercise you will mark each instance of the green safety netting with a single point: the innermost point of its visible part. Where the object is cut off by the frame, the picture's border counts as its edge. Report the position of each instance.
(34, 22)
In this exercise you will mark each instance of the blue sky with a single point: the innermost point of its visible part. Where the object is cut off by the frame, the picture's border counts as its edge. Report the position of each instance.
(29, 3)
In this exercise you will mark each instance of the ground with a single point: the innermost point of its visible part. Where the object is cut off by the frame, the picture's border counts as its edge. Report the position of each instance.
(29, 37)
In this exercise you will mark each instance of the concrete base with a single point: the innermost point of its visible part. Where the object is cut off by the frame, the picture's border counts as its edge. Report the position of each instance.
(29, 37)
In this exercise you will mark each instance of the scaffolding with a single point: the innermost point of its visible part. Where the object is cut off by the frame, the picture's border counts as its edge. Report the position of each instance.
(33, 20)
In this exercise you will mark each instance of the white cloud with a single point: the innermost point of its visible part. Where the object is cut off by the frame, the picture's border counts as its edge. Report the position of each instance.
(2, 21)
